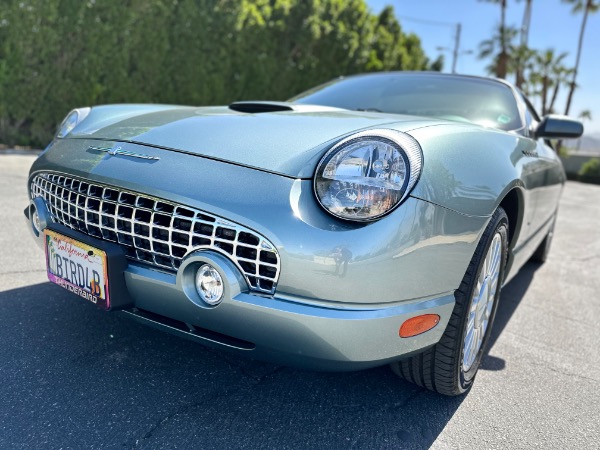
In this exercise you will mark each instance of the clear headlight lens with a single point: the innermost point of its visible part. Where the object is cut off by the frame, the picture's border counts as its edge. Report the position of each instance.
(209, 284)
(368, 174)
(73, 119)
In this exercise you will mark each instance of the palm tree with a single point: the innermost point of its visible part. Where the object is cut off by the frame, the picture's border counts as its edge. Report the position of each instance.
(501, 65)
(586, 114)
(587, 6)
(526, 22)
(547, 64)
(532, 86)
(562, 75)
(519, 58)
(521, 62)
(498, 47)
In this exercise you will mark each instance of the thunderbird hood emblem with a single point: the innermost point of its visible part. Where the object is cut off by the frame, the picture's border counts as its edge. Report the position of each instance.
(118, 151)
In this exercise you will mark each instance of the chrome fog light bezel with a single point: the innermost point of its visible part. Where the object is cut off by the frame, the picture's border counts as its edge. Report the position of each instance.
(234, 282)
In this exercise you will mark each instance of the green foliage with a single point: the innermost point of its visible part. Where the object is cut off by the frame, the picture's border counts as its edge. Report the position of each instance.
(590, 171)
(563, 151)
(56, 55)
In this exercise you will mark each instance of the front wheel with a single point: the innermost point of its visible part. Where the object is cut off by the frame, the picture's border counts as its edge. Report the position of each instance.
(450, 366)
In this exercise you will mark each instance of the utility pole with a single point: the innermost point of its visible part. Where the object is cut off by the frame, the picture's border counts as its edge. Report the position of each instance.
(458, 26)
(456, 46)
(456, 52)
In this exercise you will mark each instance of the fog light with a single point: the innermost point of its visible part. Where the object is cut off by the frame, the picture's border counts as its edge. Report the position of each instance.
(209, 284)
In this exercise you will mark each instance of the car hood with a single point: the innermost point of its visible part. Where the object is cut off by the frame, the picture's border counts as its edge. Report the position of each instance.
(288, 142)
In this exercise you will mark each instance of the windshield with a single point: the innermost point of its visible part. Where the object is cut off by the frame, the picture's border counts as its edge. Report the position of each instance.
(465, 99)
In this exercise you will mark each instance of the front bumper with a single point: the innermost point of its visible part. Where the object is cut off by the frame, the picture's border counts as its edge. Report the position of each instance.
(282, 328)
(327, 312)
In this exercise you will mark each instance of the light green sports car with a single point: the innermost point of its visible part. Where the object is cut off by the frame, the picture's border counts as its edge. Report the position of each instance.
(371, 220)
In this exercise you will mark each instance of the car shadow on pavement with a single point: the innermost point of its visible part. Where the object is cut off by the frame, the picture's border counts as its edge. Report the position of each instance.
(75, 376)
(510, 298)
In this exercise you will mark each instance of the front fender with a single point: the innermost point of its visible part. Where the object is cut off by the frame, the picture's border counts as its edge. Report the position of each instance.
(471, 169)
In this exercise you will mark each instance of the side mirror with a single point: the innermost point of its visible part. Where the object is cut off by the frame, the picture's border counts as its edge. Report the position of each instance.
(559, 127)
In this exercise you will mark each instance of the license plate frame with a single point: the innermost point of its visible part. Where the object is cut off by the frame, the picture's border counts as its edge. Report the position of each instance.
(87, 274)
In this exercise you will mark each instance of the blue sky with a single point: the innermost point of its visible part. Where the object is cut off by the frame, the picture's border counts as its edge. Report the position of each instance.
(552, 26)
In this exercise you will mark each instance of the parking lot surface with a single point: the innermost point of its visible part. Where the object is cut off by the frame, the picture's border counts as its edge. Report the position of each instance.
(75, 377)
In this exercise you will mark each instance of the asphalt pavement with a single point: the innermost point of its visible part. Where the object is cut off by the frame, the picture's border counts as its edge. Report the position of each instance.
(74, 377)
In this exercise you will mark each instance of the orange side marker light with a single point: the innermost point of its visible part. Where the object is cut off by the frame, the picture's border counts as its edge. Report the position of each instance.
(418, 325)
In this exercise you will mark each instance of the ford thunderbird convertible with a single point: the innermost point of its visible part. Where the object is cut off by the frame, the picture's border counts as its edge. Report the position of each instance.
(371, 220)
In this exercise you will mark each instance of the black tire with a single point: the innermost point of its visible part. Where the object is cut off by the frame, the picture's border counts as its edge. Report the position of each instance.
(541, 254)
(440, 368)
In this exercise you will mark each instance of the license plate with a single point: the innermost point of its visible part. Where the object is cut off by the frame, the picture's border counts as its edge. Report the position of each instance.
(77, 267)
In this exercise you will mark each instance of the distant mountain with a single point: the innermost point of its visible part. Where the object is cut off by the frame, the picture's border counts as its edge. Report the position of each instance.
(589, 143)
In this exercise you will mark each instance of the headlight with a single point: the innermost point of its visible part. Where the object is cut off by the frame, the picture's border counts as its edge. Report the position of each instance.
(368, 174)
(73, 119)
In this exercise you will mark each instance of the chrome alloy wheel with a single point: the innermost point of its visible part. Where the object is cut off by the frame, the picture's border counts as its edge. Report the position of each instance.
(482, 302)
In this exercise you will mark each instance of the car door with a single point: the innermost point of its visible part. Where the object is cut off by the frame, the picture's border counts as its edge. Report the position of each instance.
(547, 178)
(551, 187)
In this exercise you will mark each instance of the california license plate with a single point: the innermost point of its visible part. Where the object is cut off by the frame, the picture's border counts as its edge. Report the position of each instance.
(77, 267)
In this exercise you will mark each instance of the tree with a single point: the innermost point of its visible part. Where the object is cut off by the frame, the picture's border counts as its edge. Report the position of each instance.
(520, 63)
(501, 60)
(587, 6)
(520, 57)
(497, 48)
(586, 114)
(547, 65)
(56, 55)
(561, 76)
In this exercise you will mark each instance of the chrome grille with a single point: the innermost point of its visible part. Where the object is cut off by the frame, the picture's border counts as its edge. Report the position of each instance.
(155, 231)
